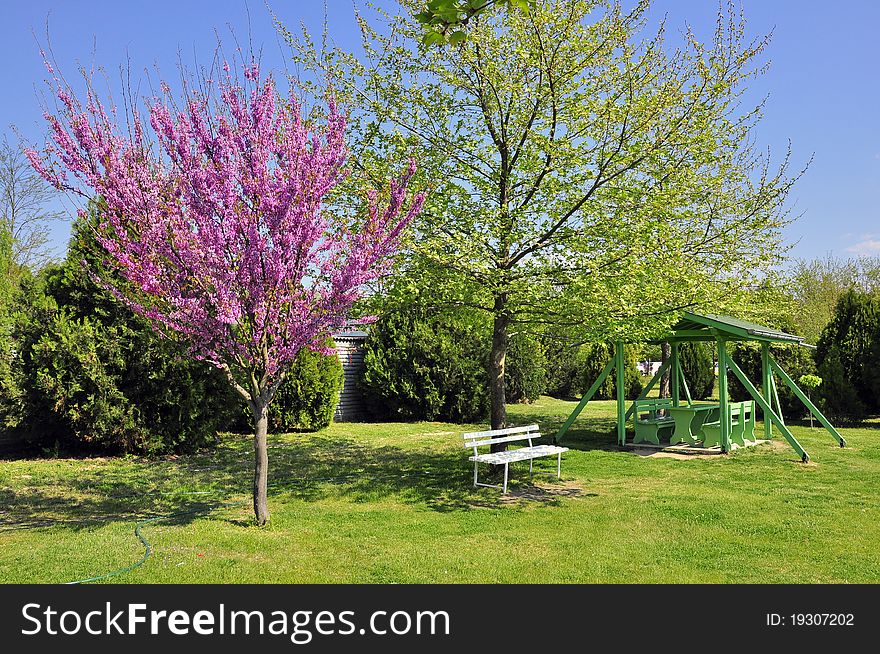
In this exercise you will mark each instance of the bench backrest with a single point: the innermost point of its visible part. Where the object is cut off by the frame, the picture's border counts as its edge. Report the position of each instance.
(654, 402)
(477, 439)
(652, 406)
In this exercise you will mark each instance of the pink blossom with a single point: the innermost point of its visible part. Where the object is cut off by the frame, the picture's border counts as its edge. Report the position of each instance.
(217, 223)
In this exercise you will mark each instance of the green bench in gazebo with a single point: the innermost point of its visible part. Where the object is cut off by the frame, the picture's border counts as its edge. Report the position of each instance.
(649, 424)
(742, 422)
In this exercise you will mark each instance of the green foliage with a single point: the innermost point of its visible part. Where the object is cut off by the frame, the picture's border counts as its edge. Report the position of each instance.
(848, 354)
(607, 243)
(795, 360)
(307, 398)
(817, 285)
(564, 369)
(445, 21)
(841, 399)
(810, 381)
(571, 371)
(425, 365)
(596, 357)
(88, 373)
(525, 372)
(698, 367)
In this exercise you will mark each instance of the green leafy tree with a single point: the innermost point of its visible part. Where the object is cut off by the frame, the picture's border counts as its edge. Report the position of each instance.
(446, 21)
(565, 365)
(526, 370)
(423, 364)
(586, 175)
(428, 362)
(596, 356)
(816, 285)
(811, 383)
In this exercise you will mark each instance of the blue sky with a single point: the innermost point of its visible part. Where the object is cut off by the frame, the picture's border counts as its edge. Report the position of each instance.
(823, 85)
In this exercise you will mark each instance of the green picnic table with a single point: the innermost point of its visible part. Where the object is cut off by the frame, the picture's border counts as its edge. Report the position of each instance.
(689, 421)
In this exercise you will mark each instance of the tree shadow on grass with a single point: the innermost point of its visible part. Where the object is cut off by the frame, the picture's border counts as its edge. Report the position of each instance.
(32, 508)
(307, 467)
(586, 434)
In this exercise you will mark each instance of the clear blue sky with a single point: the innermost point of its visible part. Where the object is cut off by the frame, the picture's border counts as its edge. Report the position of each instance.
(823, 85)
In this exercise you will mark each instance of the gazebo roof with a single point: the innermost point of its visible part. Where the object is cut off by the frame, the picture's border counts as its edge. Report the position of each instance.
(698, 327)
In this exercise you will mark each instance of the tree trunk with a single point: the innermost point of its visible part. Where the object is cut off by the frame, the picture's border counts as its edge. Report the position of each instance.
(497, 394)
(665, 384)
(261, 464)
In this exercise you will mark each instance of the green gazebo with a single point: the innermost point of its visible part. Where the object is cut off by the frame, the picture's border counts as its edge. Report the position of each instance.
(721, 330)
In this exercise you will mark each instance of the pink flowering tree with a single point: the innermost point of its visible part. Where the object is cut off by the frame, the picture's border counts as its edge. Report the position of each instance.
(213, 213)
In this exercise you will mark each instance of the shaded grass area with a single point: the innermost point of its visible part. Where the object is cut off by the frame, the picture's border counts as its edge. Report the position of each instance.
(394, 503)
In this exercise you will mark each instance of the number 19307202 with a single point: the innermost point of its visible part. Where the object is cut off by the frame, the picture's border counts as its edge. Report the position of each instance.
(811, 620)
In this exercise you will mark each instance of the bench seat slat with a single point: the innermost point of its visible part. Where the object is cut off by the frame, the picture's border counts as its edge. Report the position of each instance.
(522, 454)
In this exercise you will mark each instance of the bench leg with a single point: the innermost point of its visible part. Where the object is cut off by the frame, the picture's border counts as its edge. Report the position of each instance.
(475, 474)
(504, 490)
(531, 463)
(559, 466)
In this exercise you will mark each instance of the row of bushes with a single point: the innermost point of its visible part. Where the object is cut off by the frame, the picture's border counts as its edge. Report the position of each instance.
(81, 371)
(422, 363)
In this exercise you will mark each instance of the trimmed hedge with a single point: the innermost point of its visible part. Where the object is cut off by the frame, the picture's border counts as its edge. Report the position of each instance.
(85, 373)
(307, 397)
(525, 370)
(105, 381)
(421, 363)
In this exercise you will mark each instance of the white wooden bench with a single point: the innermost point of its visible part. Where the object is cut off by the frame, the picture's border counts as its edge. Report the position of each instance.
(477, 439)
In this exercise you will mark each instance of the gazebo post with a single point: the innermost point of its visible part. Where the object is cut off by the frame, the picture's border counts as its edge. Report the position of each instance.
(675, 383)
(621, 394)
(767, 383)
(724, 419)
(585, 399)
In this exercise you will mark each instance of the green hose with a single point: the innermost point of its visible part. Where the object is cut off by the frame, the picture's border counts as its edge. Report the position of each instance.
(148, 549)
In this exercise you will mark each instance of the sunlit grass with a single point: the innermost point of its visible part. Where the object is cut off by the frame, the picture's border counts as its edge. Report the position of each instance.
(394, 503)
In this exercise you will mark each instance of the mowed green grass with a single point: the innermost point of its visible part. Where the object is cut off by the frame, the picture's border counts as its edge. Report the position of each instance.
(394, 503)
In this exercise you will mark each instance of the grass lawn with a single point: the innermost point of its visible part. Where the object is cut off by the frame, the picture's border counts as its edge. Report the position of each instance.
(394, 503)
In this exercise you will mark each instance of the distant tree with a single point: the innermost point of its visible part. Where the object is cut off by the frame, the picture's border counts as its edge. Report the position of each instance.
(25, 198)
(845, 355)
(796, 360)
(698, 367)
(595, 357)
(816, 285)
